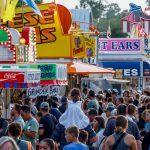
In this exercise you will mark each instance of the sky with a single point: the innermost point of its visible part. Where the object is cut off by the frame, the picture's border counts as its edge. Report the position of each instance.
(124, 4)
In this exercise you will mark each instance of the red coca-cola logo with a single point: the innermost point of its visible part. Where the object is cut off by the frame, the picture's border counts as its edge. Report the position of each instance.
(10, 76)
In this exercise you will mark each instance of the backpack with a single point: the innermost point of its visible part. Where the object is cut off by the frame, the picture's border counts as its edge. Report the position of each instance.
(29, 144)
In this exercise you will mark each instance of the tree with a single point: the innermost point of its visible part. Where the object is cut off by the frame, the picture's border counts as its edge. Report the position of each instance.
(112, 10)
(76, 7)
(148, 3)
(113, 15)
(96, 6)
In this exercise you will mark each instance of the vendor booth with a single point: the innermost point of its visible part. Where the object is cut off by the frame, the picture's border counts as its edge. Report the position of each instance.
(78, 70)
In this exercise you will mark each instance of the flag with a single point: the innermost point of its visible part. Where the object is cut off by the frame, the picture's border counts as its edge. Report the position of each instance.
(142, 32)
(109, 31)
(10, 10)
(133, 31)
(33, 5)
(2, 7)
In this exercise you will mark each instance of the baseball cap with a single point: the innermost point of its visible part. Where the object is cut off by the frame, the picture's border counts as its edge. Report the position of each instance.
(44, 105)
(110, 108)
(115, 91)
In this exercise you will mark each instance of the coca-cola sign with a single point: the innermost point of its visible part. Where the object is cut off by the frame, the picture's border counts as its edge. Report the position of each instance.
(12, 76)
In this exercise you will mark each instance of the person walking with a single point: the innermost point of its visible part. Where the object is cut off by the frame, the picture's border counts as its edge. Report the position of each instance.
(30, 129)
(47, 122)
(16, 115)
(3, 123)
(72, 135)
(121, 140)
(15, 131)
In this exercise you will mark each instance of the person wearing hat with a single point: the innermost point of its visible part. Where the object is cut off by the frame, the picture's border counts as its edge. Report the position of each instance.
(47, 123)
(108, 113)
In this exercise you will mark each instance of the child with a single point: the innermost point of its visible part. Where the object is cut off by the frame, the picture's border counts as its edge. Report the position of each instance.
(72, 134)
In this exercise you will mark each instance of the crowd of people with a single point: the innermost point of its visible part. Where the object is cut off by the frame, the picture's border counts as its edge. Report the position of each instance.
(81, 121)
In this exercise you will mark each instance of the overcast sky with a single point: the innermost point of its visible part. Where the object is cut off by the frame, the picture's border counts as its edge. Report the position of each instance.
(124, 4)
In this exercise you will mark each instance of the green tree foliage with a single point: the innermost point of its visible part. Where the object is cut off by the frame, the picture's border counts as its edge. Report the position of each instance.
(112, 10)
(112, 15)
(148, 3)
(36, 1)
(96, 6)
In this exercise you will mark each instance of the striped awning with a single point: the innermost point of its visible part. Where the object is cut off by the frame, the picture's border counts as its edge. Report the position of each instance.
(17, 85)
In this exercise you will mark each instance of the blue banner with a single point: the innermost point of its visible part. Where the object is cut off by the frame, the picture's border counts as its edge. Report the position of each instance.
(146, 68)
(123, 68)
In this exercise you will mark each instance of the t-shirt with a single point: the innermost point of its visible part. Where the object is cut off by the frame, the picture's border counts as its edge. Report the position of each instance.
(132, 128)
(93, 104)
(34, 110)
(48, 123)
(76, 146)
(3, 127)
(31, 125)
(55, 112)
(147, 127)
(20, 121)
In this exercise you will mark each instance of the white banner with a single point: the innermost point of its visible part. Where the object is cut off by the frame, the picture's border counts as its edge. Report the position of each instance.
(33, 92)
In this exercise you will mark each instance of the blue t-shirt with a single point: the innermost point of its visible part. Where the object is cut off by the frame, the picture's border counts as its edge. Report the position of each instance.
(76, 146)
(147, 127)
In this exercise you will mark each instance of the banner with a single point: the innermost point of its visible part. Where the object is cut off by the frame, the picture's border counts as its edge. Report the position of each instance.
(10, 76)
(78, 46)
(123, 68)
(48, 71)
(146, 68)
(89, 47)
(43, 91)
(118, 45)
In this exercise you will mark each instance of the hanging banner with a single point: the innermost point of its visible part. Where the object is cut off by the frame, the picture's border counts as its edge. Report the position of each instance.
(43, 91)
(89, 46)
(48, 71)
(61, 72)
(78, 46)
(146, 48)
(52, 74)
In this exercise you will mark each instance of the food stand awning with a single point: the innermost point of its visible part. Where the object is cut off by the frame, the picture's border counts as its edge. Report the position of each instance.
(83, 68)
